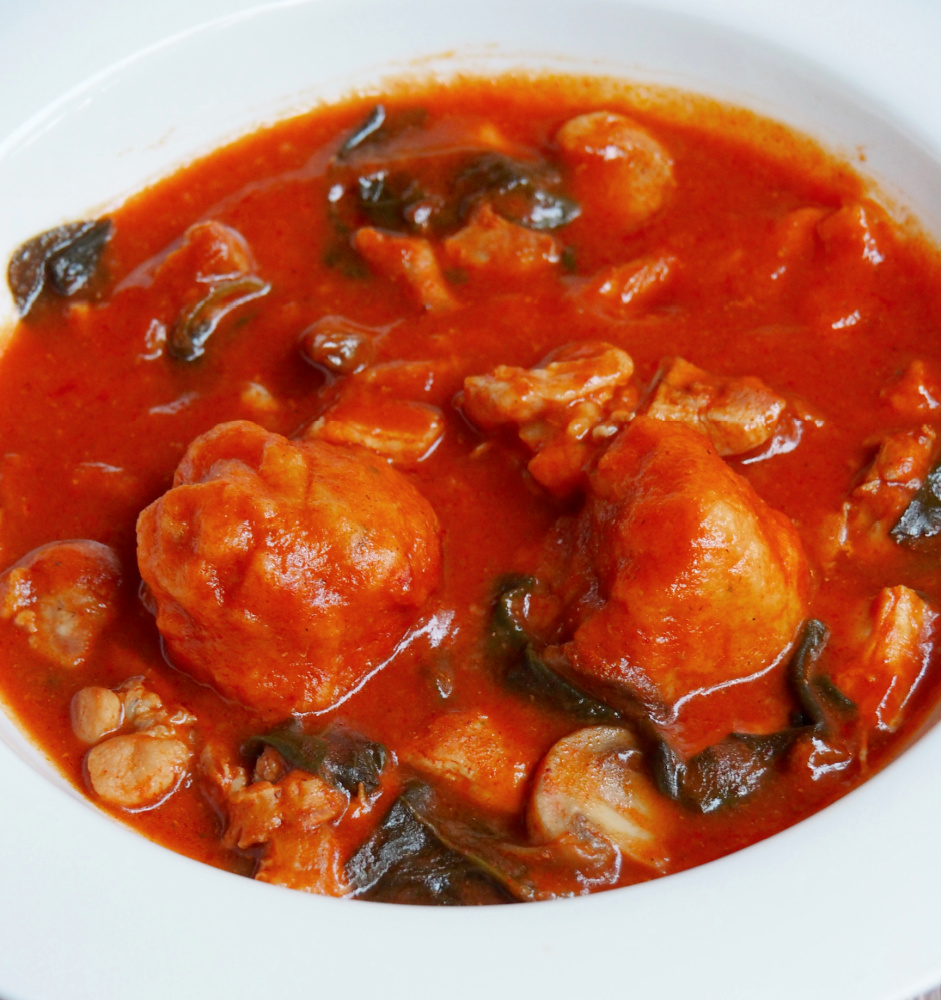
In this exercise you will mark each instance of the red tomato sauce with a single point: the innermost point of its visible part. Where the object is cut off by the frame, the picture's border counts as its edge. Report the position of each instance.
(779, 266)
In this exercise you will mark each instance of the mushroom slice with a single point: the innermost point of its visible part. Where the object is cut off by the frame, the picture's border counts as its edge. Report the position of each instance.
(596, 778)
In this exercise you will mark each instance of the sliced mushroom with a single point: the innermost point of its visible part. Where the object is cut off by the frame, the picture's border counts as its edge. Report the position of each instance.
(597, 778)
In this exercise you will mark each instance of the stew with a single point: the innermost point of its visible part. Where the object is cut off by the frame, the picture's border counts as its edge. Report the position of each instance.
(493, 492)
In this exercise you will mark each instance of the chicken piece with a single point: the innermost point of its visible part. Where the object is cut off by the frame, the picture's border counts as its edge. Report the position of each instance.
(63, 595)
(136, 770)
(313, 862)
(399, 430)
(95, 712)
(191, 288)
(736, 414)
(578, 395)
(579, 373)
(145, 712)
(288, 819)
(283, 573)
(684, 585)
(846, 295)
(916, 393)
(475, 757)
(898, 471)
(270, 766)
(429, 381)
(210, 251)
(853, 231)
(893, 658)
(617, 164)
(626, 289)
(219, 777)
(596, 778)
(409, 260)
(490, 243)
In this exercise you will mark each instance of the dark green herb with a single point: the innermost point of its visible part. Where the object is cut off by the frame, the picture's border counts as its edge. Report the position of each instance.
(922, 517)
(823, 705)
(721, 774)
(530, 675)
(738, 766)
(523, 669)
(366, 130)
(525, 193)
(512, 594)
(344, 258)
(187, 340)
(299, 748)
(527, 872)
(405, 862)
(352, 760)
(387, 200)
(338, 755)
(63, 259)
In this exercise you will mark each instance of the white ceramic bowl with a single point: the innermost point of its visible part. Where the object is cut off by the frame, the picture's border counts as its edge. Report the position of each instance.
(845, 905)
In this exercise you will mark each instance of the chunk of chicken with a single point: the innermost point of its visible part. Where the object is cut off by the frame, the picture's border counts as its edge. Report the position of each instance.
(410, 261)
(136, 770)
(140, 768)
(286, 815)
(472, 754)
(299, 799)
(616, 163)
(490, 243)
(853, 231)
(846, 297)
(144, 710)
(597, 778)
(63, 595)
(399, 430)
(684, 585)
(897, 472)
(916, 393)
(737, 414)
(626, 289)
(893, 658)
(284, 572)
(210, 251)
(95, 712)
(579, 394)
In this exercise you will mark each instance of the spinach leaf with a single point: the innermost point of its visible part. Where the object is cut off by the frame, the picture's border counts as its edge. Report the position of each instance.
(428, 850)
(63, 259)
(352, 760)
(363, 132)
(721, 774)
(187, 339)
(922, 517)
(737, 766)
(823, 705)
(524, 670)
(530, 675)
(567, 867)
(525, 193)
(405, 862)
(299, 748)
(339, 755)
(510, 603)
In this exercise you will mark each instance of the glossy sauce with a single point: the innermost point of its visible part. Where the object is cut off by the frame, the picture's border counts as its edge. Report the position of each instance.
(95, 416)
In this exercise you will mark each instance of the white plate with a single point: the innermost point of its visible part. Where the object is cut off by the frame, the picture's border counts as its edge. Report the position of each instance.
(847, 904)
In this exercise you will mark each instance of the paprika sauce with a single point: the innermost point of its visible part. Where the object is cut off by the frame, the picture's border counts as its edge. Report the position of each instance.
(495, 491)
